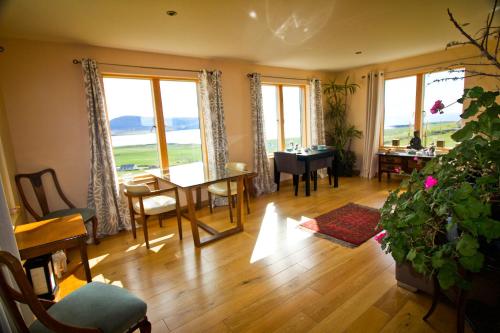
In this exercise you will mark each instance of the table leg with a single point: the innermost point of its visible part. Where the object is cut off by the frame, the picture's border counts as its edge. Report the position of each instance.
(198, 198)
(192, 216)
(308, 178)
(240, 202)
(335, 169)
(85, 260)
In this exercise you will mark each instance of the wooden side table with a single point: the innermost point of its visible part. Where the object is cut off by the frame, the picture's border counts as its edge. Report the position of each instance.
(48, 236)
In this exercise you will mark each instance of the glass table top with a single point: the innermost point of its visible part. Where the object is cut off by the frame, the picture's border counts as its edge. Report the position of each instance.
(193, 174)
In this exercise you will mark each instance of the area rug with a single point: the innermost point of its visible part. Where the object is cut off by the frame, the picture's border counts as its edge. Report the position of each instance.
(350, 225)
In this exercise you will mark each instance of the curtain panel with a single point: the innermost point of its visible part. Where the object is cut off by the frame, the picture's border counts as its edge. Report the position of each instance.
(103, 191)
(317, 117)
(374, 113)
(212, 109)
(263, 182)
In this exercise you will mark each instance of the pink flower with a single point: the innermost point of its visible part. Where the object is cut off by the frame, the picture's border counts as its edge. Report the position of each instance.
(397, 170)
(415, 158)
(437, 107)
(430, 182)
(380, 236)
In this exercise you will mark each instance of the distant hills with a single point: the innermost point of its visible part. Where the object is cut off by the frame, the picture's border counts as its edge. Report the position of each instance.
(126, 124)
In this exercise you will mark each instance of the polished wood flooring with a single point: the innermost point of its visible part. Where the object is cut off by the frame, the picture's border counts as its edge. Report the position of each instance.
(274, 277)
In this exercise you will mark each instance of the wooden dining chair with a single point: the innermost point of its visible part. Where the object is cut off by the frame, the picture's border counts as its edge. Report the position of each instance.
(37, 183)
(94, 308)
(229, 189)
(288, 163)
(144, 203)
(316, 165)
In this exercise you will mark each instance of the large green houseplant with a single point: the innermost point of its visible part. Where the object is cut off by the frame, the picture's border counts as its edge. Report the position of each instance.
(444, 218)
(339, 133)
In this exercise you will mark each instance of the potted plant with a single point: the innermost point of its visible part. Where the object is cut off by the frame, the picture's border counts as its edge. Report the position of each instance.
(339, 133)
(444, 219)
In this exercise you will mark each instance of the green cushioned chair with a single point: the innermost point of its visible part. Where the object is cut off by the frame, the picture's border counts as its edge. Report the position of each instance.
(96, 307)
(36, 180)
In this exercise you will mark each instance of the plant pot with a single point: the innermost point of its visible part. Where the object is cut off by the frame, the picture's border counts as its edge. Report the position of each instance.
(411, 280)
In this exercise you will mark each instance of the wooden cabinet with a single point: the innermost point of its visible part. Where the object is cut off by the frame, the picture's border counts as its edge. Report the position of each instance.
(396, 162)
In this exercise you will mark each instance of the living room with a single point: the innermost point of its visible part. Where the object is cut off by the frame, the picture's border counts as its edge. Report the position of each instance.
(195, 102)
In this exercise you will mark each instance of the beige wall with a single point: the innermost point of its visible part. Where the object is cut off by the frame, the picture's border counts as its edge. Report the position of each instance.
(404, 67)
(45, 104)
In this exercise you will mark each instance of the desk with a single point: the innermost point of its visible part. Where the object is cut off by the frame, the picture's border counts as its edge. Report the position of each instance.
(317, 155)
(48, 236)
(194, 176)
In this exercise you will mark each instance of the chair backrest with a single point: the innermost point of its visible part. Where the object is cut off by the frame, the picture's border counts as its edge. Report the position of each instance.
(237, 166)
(288, 163)
(321, 163)
(39, 190)
(27, 296)
(137, 188)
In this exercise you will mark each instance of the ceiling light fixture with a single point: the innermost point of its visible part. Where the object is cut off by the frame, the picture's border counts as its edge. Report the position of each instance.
(252, 14)
(171, 12)
(358, 52)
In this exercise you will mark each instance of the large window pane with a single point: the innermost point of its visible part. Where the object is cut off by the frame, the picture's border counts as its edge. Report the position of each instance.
(439, 86)
(182, 123)
(131, 116)
(292, 112)
(399, 115)
(270, 105)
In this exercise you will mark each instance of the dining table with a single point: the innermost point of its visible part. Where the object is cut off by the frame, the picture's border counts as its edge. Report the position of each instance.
(317, 154)
(192, 177)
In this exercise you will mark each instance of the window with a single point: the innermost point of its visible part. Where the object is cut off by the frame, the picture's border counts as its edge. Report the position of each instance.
(154, 122)
(407, 104)
(284, 114)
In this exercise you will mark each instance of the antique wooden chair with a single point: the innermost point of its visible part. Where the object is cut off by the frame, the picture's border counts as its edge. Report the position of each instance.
(144, 203)
(229, 189)
(94, 308)
(36, 181)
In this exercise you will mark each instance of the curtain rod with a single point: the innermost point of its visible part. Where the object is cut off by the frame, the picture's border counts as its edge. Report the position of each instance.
(429, 65)
(76, 61)
(280, 77)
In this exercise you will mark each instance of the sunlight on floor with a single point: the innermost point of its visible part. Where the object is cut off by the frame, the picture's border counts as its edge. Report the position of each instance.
(94, 261)
(272, 230)
(101, 278)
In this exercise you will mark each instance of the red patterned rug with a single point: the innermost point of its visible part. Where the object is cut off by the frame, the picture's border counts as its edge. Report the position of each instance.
(350, 225)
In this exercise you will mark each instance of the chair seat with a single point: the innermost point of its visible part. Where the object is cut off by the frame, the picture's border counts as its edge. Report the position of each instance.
(86, 213)
(97, 305)
(155, 205)
(221, 188)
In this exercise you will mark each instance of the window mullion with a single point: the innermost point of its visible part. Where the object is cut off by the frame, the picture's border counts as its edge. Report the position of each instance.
(160, 124)
(418, 104)
(281, 119)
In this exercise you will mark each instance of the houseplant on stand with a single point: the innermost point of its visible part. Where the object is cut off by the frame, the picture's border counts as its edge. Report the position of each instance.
(338, 132)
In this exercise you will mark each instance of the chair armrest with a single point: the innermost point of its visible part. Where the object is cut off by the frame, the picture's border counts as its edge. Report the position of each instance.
(157, 192)
(46, 303)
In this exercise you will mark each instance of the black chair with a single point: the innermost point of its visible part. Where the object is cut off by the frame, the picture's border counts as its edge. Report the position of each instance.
(316, 165)
(288, 163)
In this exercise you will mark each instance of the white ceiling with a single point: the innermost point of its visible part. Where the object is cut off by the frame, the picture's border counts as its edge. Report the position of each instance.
(307, 34)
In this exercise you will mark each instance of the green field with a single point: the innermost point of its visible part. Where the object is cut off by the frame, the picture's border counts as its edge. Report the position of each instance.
(146, 156)
(432, 133)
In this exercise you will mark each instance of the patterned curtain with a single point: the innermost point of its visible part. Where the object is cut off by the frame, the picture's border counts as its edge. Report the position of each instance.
(212, 109)
(263, 182)
(374, 112)
(317, 120)
(103, 192)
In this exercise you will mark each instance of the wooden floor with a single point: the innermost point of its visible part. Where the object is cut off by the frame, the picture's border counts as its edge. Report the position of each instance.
(274, 277)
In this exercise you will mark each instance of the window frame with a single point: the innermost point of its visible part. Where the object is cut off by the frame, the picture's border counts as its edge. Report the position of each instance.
(419, 101)
(304, 114)
(161, 136)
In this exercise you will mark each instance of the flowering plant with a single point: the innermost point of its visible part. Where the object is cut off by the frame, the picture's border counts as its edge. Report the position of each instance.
(438, 107)
(455, 191)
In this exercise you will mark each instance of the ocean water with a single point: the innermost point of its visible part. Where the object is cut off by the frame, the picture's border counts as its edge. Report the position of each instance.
(191, 136)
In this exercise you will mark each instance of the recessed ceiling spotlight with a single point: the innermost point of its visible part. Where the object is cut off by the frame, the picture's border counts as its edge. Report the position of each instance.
(171, 12)
(358, 52)
(252, 14)
(306, 29)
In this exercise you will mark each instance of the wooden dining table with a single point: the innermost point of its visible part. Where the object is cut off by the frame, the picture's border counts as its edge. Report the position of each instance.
(192, 177)
(48, 236)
